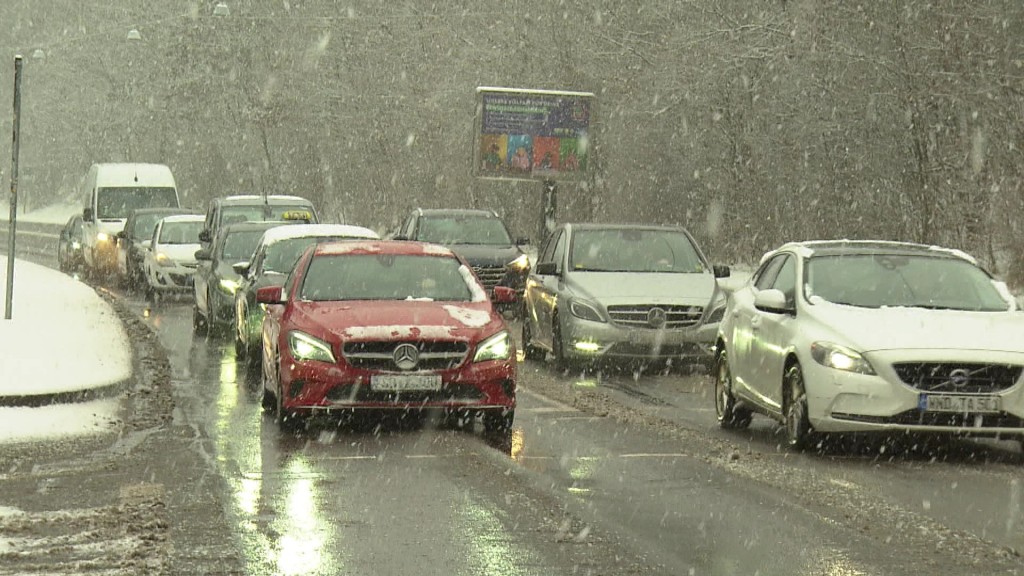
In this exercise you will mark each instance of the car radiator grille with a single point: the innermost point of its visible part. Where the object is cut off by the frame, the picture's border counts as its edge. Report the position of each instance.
(379, 356)
(451, 392)
(490, 276)
(957, 377)
(638, 316)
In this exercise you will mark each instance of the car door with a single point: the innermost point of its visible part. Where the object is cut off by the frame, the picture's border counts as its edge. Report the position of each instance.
(204, 271)
(771, 340)
(545, 287)
(745, 324)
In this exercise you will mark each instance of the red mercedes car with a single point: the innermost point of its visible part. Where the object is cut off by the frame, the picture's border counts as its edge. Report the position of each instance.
(386, 325)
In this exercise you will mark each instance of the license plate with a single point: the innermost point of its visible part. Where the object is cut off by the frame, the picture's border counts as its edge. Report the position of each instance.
(959, 404)
(637, 337)
(405, 382)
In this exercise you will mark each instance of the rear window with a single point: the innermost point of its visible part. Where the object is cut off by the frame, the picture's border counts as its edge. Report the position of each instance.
(180, 232)
(261, 212)
(239, 246)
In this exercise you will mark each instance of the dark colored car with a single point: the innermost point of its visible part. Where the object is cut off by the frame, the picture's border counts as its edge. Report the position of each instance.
(386, 326)
(252, 208)
(479, 236)
(216, 281)
(69, 246)
(274, 258)
(133, 241)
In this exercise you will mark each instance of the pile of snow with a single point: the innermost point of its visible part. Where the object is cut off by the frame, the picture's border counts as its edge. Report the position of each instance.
(56, 214)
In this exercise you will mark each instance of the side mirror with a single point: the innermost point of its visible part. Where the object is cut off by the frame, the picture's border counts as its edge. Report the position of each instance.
(121, 235)
(204, 235)
(546, 269)
(241, 268)
(269, 295)
(772, 300)
(399, 237)
(203, 254)
(504, 295)
(523, 241)
(87, 214)
(721, 271)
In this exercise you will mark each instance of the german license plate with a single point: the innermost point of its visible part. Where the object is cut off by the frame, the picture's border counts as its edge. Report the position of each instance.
(959, 403)
(405, 382)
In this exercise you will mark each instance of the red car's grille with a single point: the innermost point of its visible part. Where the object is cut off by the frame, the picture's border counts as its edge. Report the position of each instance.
(380, 356)
(451, 392)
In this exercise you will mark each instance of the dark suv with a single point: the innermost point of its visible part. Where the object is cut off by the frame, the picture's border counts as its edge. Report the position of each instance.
(253, 208)
(479, 236)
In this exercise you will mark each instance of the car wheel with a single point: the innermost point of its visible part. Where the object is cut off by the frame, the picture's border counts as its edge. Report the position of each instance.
(269, 400)
(729, 415)
(798, 426)
(198, 322)
(558, 344)
(530, 351)
(498, 421)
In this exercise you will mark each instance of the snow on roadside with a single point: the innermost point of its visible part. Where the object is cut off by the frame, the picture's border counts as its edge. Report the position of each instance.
(56, 214)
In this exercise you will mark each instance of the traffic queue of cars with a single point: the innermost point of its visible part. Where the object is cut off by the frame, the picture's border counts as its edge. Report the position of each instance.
(825, 337)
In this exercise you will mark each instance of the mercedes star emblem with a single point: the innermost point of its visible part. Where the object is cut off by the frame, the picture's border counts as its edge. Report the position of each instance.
(406, 356)
(656, 317)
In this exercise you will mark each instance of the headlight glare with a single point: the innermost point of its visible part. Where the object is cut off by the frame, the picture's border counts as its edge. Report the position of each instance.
(164, 260)
(840, 358)
(585, 311)
(306, 347)
(497, 347)
(521, 263)
(102, 237)
(228, 285)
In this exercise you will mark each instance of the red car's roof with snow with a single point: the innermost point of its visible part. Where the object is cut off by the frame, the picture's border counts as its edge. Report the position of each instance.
(394, 247)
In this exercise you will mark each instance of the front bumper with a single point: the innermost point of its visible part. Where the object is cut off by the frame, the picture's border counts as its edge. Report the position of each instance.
(847, 402)
(317, 386)
(171, 278)
(593, 340)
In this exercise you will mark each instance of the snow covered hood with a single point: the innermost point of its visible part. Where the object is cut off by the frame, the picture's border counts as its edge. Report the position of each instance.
(400, 320)
(874, 329)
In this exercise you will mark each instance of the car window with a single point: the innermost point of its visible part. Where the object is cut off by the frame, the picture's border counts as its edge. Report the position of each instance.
(239, 245)
(386, 277)
(634, 250)
(463, 230)
(558, 250)
(785, 279)
(765, 275)
(180, 232)
(548, 248)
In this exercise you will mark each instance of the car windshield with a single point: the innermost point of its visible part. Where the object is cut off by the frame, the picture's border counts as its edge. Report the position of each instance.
(180, 232)
(877, 280)
(386, 277)
(118, 202)
(239, 245)
(260, 212)
(143, 224)
(633, 250)
(463, 230)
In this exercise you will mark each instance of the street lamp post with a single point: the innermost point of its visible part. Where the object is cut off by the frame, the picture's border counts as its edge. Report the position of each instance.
(133, 37)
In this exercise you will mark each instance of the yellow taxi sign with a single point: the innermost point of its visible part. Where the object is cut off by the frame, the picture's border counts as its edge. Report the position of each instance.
(297, 215)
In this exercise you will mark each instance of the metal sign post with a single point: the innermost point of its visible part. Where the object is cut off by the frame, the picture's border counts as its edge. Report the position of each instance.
(14, 187)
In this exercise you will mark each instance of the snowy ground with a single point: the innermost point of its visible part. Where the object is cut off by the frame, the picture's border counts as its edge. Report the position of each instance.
(62, 340)
(56, 214)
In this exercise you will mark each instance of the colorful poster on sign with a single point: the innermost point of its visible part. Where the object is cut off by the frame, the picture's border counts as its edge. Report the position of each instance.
(532, 134)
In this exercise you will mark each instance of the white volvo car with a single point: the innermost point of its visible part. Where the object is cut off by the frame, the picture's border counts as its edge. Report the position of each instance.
(863, 336)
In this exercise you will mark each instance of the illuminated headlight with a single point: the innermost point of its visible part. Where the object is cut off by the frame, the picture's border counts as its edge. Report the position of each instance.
(520, 264)
(229, 286)
(306, 347)
(840, 358)
(496, 347)
(76, 245)
(164, 260)
(585, 311)
(102, 237)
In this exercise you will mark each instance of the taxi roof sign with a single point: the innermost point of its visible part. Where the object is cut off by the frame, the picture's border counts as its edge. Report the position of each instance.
(292, 215)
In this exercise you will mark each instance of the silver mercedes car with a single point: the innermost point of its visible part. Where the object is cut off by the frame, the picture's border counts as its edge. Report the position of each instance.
(622, 292)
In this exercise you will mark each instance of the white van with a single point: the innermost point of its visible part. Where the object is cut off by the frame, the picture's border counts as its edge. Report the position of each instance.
(110, 192)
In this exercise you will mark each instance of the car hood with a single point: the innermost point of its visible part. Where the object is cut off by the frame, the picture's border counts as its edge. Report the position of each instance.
(876, 329)
(181, 253)
(486, 254)
(613, 288)
(110, 226)
(403, 319)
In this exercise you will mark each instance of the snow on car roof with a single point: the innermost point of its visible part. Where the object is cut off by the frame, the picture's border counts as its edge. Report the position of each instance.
(316, 230)
(399, 247)
(809, 248)
(271, 199)
(184, 218)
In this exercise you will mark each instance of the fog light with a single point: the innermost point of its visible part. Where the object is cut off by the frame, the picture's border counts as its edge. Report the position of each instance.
(588, 346)
(295, 388)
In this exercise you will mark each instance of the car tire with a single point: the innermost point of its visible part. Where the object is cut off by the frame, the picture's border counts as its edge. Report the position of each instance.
(794, 410)
(530, 352)
(269, 399)
(498, 421)
(563, 361)
(198, 322)
(730, 416)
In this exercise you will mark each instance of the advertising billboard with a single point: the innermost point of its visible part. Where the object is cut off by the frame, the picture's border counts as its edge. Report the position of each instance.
(532, 134)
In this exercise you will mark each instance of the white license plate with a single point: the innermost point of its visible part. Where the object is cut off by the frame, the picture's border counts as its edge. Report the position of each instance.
(959, 404)
(405, 382)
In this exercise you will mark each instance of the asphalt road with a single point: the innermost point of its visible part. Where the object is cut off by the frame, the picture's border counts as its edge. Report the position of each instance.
(608, 473)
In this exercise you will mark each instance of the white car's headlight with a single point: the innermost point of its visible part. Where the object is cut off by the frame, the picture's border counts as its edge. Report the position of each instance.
(521, 263)
(496, 347)
(840, 358)
(585, 311)
(306, 347)
(229, 286)
(164, 260)
(102, 237)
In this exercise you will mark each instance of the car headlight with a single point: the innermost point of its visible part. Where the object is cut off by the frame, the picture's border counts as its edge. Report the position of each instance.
(496, 347)
(164, 260)
(75, 245)
(229, 286)
(306, 347)
(102, 237)
(585, 311)
(520, 264)
(840, 358)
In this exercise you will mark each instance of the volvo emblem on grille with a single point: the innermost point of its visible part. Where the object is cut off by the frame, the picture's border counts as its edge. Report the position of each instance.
(406, 356)
(656, 317)
(959, 378)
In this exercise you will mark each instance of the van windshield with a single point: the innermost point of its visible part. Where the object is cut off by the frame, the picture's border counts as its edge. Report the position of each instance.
(118, 202)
